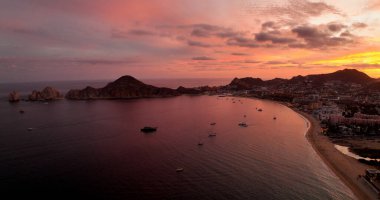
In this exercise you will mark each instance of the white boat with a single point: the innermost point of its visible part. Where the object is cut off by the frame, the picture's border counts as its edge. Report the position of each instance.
(179, 170)
(212, 134)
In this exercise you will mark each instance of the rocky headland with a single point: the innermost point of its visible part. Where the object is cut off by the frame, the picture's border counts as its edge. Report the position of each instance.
(47, 94)
(14, 97)
(126, 87)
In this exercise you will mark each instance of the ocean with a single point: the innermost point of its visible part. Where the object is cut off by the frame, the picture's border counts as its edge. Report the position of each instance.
(95, 150)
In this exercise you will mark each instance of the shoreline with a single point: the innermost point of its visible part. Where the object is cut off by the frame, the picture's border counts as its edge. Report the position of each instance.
(344, 167)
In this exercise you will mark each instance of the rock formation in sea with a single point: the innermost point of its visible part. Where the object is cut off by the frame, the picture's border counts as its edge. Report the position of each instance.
(47, 94)
(14, 97)
(126, 87)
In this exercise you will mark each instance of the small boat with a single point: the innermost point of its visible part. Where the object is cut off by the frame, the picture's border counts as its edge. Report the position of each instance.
(212, 134)
(260, 110)
(148, 129)
(179, 170)
(30, 129)
(243, 124)
(21, 111)
(274, 118)
(212, 124)
(245, 116)
(200, 143)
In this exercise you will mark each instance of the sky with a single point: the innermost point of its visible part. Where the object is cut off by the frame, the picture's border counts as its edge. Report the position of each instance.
(44, 40)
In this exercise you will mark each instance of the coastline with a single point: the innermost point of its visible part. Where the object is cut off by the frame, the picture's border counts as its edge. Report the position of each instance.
(345, 167)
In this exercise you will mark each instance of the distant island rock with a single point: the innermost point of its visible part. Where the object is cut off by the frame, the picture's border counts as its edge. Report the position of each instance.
(14, 97)
(126, 87)
(47, 94)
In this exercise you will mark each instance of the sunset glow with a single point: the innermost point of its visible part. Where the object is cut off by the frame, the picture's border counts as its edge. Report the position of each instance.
(185, 39)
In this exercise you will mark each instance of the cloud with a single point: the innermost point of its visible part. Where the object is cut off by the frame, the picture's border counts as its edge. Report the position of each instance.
(208, 30)
(203, 58)
(359, 25)
(140, 32)
(115, 33)
(277, 62)
(242, 42)
(198, 44)
(252, 61)
(239, 54)
(263, 37)
(335, 27)
(299, 10)
(375, 5)
(73, 61)
(200, 33)
(316, 37)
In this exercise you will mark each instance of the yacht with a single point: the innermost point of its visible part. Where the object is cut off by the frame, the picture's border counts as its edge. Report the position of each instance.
(148, 129)
(243, 124)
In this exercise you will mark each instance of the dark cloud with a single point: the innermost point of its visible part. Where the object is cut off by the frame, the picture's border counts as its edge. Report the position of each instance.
(335, 27)
(140, 32)
(346, 34)
(263, 37)
(203, 58)
(316, 37)
(200, 33)
(242, 42)
(227, 34)
(198, 44)
(115, 33)
(269, 24)
(207, 30)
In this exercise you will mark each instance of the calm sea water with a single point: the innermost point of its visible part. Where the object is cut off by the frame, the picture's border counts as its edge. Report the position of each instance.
(94, 150)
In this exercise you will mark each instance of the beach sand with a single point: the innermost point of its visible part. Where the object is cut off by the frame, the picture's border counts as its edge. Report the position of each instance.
(345, 167)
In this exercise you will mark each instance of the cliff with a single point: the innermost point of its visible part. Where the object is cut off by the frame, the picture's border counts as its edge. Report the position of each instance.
(14, 97)
(47, 94)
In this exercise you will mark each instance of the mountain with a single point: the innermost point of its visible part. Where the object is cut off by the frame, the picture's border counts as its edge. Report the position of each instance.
(126, 87)
(245, 83)
(345, 75)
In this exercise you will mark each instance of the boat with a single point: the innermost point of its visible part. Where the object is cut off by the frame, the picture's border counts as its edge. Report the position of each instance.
(148, 129)
(274, 118)
(260, 110)
(243, 124)
(30, 129)
(212, 134)
(200, 143)
(179, 170)
(21, 111)
(245, 116)
(212, 123)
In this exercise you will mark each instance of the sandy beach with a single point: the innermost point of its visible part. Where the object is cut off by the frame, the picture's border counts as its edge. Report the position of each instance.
(345, 167)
